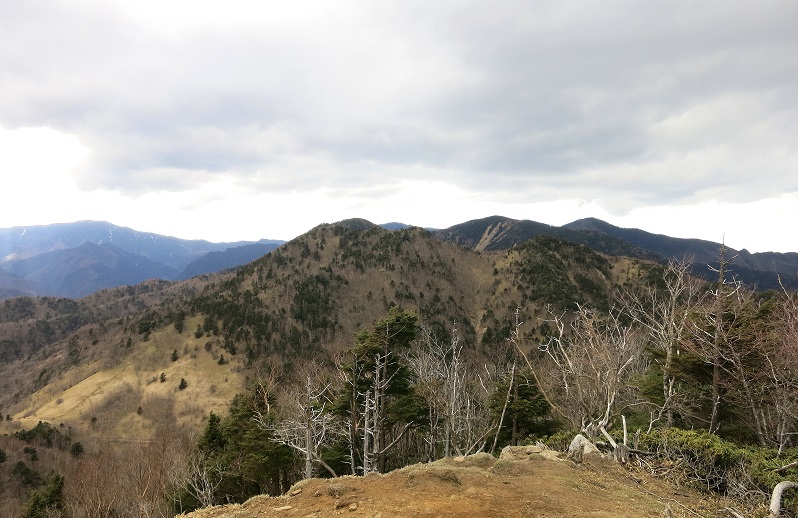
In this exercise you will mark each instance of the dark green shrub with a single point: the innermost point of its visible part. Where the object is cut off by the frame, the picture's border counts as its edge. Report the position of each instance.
(44, 435)
(31, 453)
(714, 464)
(77, 449)
(559, 441)
(47, 501)
(26, 476)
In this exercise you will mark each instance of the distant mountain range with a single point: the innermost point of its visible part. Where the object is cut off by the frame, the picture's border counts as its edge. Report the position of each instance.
(76, 259)
(763, 271)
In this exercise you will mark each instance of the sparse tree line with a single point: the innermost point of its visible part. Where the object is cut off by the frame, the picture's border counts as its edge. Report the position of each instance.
(680, 354)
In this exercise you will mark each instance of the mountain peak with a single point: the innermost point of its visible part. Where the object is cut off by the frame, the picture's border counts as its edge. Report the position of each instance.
(356, 224)
(588, 224)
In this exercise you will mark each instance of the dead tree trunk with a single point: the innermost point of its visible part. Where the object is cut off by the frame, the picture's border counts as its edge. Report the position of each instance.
(775, 500)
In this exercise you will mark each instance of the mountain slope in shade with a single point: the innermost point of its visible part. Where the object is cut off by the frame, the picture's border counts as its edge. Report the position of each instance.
(764, 270)
(356, 224)
(496, 233)
(501, 233)
(230, 258)
(79, 271)
(665, 246)
(394, 225)
(13, 286)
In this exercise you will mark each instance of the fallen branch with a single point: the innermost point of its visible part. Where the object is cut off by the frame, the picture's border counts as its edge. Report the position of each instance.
(785, 468)
(608, 437)
(642, 452)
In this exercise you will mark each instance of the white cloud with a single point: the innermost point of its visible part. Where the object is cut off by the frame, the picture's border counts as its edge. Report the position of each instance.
(37, 165)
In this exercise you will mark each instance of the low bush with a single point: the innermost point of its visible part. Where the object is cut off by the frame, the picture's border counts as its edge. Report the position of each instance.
(746, 473)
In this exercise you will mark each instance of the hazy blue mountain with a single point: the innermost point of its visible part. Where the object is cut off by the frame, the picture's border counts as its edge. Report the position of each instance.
(24, 242)
(230, 258)
(79, 271)
(74, 259)
(13, 286)
(393, 225)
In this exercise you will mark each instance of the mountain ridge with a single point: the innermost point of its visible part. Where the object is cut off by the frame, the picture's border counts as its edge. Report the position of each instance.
(764, 271)
(172, 258)
(315, 291)
(122, 364)
(26, 241)
(35, 261)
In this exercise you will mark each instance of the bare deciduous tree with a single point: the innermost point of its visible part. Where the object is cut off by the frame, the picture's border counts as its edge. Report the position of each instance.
(589, 364)
(201, 478)
(304, 422)
(665, 317)
(455, 393)
(128, 480)
(776, 390)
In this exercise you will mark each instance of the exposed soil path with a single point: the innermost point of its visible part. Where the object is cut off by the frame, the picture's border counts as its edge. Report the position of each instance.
(481, 486)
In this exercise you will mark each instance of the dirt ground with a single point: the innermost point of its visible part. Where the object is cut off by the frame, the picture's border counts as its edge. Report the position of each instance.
(524, 484)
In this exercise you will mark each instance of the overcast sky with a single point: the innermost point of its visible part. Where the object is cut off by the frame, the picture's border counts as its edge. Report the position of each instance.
(261, 119)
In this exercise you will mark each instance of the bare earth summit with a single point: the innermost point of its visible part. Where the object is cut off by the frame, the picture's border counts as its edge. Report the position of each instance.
(524, 482)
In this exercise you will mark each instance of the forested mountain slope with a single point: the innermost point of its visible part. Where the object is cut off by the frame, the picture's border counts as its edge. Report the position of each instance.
(313, 293)
(762, 271)
(402, 347)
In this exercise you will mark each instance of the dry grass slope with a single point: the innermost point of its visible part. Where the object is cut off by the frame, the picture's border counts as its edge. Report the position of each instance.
(126, 399)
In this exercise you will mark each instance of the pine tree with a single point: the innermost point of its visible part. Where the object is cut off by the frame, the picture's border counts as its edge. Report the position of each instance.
(378, 393)
(47, 501)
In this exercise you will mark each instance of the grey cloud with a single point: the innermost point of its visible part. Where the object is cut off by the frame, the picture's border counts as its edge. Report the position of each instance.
(597, 99)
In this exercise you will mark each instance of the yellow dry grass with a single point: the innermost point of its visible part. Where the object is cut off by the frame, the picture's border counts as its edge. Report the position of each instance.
(129, 401)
